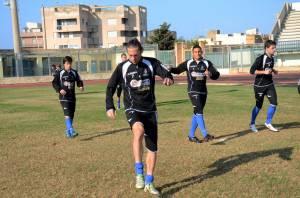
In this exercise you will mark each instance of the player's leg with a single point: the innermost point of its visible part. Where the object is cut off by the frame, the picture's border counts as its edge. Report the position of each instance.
(194, 124)
(68, 121)
(198, 110)
(150, 123)
(72, 107)
(137, 146)
(119, 91)
(272, 96)
(259, 97)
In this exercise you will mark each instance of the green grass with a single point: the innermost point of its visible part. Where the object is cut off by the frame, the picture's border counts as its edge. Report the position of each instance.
(38, 161)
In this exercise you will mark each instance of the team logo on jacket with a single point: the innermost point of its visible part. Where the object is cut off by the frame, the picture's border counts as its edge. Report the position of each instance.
(135, 83)
(145, 73)
(198, 75)
(141, 85)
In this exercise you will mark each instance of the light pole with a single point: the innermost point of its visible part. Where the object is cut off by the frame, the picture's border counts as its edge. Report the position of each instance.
(12, 4)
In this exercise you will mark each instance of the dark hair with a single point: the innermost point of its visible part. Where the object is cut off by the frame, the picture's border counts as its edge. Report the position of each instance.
(67, 59)
(123, 54)
(197, 46)
(135, 43)
(268, 43)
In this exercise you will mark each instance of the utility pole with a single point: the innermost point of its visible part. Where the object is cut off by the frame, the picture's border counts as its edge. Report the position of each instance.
(12, 4)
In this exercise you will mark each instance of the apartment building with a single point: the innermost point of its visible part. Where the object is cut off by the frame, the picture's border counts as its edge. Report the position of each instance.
(32, 36)
(82, 26)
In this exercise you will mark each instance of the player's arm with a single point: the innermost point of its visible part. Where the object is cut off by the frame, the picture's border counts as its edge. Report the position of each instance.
(163, 72)
(79, 82)
(114, 80)
(254, 68)
(56, 82)
(275, 71)
(213, 73)
(182, 67)
(119, 90)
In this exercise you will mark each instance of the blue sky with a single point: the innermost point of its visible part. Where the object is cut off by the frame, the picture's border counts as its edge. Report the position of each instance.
(189, 18)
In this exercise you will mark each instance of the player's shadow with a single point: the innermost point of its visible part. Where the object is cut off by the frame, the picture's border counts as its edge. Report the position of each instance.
(288, 125)
(89, 92)
(171, 102)
(223, 166)
(228, 91)
(115, 131)
(235, 135)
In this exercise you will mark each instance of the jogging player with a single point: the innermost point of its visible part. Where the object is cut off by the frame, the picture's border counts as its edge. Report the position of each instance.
(197, 70)
(64, 84)
(263, 68)
(137, 76)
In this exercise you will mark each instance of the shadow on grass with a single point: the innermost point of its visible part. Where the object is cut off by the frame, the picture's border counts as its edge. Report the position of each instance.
(105, 133)
(228, 91)
(89, 92)
(223, 166)
(170, 102)
(228, 137)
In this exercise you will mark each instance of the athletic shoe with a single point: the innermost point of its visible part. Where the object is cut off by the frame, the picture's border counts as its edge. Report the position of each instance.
(151, 189)
(208, 138)
(253, 128)
(194, 139)
(270, 126)
(139, 181)
(68, 135)
(73, 133)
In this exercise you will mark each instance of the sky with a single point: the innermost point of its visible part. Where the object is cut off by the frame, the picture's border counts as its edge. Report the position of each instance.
(189, 18)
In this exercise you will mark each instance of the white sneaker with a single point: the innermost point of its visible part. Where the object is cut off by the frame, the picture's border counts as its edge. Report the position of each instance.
(151, 189)
(253, 128)
(139, 181)
(270, 126)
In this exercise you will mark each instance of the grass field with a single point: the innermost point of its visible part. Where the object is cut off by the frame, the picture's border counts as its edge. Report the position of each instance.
(38, 161)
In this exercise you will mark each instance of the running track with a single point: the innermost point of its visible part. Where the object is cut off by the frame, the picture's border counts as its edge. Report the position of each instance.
(289, 78)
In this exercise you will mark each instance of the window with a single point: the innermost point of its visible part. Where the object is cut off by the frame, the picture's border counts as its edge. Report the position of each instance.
(112, 34)
(124, 20)
(63, 22)
(128, 33)
(81, 66)
(105, 66)
(112, 21)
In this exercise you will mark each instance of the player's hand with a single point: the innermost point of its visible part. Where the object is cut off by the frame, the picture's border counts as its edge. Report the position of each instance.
(62, 92)
(111, 113)
(268, 71)
(168, 81)
(81, 88)
(206, 73)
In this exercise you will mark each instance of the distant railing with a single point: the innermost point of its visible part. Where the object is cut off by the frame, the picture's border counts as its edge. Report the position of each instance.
(281, 19)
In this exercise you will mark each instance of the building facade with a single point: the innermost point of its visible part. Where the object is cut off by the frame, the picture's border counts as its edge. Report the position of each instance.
(82, 26)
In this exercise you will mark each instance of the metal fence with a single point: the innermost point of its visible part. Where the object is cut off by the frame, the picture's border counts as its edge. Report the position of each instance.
(243, 56)
(93, 61)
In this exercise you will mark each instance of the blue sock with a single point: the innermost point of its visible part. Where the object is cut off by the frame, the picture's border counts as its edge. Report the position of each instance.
(193, 126)
(139, 168)
(149, 179)
(270, 114)
(254, 114)
(201, 124)
(68, 122)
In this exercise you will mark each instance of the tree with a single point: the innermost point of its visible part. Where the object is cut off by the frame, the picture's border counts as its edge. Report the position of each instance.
(163, 37)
